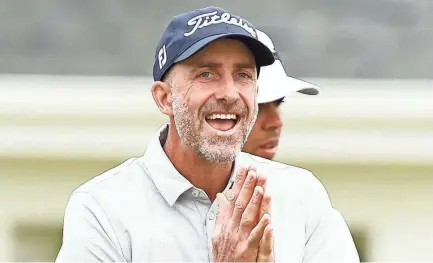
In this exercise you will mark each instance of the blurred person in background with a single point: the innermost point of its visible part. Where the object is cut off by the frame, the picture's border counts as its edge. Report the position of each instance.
(273, 86)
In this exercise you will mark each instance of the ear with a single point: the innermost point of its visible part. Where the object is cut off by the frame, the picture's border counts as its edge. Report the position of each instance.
(162, 96)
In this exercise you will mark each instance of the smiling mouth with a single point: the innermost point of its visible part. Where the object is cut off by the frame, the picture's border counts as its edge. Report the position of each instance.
(222, 121)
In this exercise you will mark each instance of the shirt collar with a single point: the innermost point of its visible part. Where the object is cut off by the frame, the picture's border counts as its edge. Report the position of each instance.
(169, 182)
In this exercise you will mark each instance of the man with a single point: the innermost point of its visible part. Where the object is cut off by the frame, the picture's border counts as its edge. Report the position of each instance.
(274, 85)
(193, 196)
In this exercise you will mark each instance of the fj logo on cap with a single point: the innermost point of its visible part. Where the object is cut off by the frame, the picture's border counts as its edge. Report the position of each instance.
(208, 19)
(162, 57)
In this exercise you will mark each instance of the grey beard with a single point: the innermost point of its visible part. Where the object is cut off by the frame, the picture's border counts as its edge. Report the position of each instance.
(211, 149)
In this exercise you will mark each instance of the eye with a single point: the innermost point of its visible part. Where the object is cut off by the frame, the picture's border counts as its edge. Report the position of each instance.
(205, 75)
(244, 75)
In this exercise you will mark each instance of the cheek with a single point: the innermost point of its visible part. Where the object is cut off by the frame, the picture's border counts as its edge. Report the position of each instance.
(249, 97)
(198, 97)
(259, 122)
(253, 140)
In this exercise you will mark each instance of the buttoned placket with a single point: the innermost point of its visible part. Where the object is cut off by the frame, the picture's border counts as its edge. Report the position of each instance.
(210, 224)
(211, 219)
(207, 215)
(208, 212)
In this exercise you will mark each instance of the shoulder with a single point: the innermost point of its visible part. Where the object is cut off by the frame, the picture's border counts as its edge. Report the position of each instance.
(291, 180)
(114, 178)
(280, 167)
(126, 183)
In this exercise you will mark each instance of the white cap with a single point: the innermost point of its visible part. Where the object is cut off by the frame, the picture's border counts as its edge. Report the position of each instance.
(273, 82)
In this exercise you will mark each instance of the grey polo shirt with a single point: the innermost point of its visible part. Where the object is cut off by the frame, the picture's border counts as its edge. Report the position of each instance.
(145, 210)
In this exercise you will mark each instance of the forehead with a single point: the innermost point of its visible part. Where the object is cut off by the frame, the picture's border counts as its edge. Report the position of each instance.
(224, 52)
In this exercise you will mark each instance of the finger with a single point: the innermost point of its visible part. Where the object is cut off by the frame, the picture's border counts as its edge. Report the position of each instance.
(232, 194)
(261, 180)
(265, 206)
(251, 214)
(266, 247)
(244, 196)
(240, 178)
(258, 231)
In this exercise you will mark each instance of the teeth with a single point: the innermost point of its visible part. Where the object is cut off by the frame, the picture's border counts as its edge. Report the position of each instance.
(221, 117)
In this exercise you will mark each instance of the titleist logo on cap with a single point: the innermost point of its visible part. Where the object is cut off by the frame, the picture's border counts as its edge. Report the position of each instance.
(208, 19)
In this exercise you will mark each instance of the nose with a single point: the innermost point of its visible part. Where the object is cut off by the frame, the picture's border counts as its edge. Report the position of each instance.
(227, 91)
(272, 118)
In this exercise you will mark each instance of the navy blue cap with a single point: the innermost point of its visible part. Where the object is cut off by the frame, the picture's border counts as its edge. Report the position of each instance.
(189, 32)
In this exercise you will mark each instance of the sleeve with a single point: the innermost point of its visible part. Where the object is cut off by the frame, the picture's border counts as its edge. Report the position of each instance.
(328, 235)
(87, 233)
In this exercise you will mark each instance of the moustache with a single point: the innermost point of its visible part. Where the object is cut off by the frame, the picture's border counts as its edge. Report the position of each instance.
(238, 108)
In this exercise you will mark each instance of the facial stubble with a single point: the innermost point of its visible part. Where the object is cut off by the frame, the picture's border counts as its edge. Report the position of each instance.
(215, 149)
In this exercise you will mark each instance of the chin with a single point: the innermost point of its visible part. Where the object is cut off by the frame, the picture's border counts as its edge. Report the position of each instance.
(219, 153)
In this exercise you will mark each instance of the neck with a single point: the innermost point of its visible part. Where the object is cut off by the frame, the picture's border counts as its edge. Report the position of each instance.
(210, 177)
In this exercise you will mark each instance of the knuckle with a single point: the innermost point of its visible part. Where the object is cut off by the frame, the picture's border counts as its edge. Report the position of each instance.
(251, 177)
(250, 180)
(239, 176)
(246, 221)
(255, 200)
(230, 195)
(253, 239)
(219, 238)
(248, 183)
(268, 251)
(239, 205)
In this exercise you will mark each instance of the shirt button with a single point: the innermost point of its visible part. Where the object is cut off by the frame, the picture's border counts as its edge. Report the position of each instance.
(211, 216)
(203, 196)
(195, 193)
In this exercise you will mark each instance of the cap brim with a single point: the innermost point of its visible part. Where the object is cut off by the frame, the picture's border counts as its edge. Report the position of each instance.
(305, 87)
(284, 87)
(261, 52)
(272, 87)
(274, 84)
